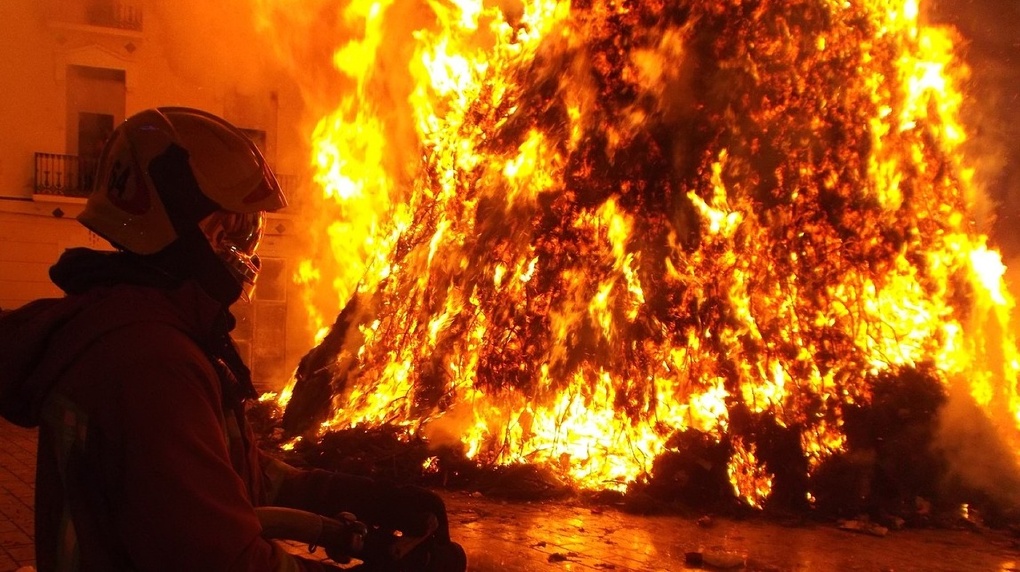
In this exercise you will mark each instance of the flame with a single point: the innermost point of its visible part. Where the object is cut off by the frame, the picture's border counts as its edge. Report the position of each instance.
(555, 279)
(750, 479)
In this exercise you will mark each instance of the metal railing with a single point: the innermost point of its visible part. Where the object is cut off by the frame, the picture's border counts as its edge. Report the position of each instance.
(72, 176)
(114, 14)
(63, 175)
(293, 188)
(288, 184)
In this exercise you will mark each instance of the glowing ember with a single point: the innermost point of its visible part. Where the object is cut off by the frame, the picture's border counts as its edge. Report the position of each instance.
(623, 220)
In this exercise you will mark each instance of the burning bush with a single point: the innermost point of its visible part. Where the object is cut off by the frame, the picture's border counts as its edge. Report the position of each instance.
(706, 249)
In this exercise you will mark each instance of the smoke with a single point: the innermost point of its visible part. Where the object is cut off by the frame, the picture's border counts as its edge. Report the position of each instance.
(302, 38)
(973, 445)
(318, 42)
(976, 440)
(214, 44)
(990, 46)
(449, 430)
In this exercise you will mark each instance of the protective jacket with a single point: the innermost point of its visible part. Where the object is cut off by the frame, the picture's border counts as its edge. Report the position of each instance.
(145, 461)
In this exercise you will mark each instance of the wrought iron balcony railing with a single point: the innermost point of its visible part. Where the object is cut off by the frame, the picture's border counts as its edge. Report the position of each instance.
(63, 175)
(114, 14)
(294, 188)
(72, 176)
(288, 184)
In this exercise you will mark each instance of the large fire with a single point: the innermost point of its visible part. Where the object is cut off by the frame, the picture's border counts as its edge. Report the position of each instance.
(562, 233)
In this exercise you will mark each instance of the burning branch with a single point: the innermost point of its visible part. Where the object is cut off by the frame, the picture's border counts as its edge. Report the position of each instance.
(630, 222)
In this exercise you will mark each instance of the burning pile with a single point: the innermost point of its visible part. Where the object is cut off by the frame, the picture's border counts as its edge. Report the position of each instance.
(642, 236)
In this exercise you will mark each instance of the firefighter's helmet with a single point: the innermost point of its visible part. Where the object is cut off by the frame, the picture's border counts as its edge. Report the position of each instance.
(173, 173)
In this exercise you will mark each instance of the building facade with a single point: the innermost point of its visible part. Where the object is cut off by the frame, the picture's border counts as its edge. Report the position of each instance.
(73, 70)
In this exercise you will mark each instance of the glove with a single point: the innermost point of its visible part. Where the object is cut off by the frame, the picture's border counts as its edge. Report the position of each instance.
(382, 506)
(423, 544)
(409, 509)
(343, 537)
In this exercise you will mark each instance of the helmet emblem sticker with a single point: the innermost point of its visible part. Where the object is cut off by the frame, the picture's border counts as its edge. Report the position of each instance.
(123, 190)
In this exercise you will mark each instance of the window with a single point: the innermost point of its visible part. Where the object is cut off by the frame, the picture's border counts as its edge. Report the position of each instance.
(261, 331)
(95, 103)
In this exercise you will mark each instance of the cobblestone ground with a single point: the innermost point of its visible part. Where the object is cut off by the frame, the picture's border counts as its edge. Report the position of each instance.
(17, 488)
(523, 537)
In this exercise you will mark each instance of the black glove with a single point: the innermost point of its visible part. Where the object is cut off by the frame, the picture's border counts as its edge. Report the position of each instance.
(423, 544)
(408, 509)
(385, 508)
(374, 502)
(343, 537)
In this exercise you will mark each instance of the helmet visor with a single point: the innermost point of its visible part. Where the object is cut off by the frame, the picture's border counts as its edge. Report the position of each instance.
(235, 237)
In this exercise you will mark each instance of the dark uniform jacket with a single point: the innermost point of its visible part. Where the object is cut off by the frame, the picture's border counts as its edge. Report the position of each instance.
(145, 461)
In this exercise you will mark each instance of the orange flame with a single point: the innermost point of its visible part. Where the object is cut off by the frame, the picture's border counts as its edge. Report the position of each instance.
(586, 348)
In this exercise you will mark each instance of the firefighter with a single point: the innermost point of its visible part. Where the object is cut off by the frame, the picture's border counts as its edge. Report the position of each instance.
(145, 459)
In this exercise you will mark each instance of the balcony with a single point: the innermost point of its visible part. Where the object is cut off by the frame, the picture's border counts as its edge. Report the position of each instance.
(294, 187)
(63, 175)
(288, 184)
(113, 14)
(124, 16)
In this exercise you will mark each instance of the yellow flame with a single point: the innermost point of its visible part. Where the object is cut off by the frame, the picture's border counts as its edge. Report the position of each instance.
(603, 426)
(751, 481)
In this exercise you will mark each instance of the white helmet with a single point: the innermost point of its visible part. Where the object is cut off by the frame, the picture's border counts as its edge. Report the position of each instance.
(176, 175)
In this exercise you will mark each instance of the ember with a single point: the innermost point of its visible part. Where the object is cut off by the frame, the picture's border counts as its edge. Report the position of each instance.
(687, 246)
